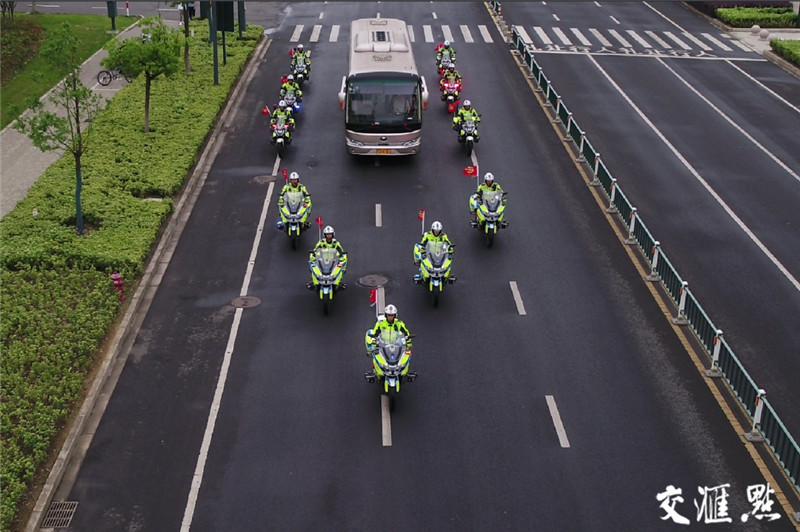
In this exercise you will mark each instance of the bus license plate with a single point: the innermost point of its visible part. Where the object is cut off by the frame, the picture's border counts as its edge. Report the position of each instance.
(383, 152)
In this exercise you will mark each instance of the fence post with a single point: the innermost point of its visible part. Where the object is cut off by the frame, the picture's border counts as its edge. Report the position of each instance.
(653, 277)
(581, 158)
(611, 207)
(557, 118)
(714, 371)
(596, 181)
(547, 96)
(754, 436)
(679, 318)
(631, 239)
(568, 137)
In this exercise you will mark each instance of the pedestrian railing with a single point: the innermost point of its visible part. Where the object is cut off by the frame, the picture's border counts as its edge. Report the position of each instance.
(722, 361)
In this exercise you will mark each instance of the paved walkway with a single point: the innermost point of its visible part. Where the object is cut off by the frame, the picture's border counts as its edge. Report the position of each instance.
(21, 163)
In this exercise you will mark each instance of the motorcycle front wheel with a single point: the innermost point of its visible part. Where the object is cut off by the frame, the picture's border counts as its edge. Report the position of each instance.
(468, 144)
(326, 303)
(489, 238)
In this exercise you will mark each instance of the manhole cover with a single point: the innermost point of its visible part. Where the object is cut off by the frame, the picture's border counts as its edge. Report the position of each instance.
(246, 302)
(229, 129)
(373, 280)
(60, 514)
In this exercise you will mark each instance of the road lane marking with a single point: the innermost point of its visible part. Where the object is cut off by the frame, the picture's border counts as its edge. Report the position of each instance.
(677, 41)
(562, 36)
(487, 37)
(698, 42)
(599, 36)
(315, 33)
(448, 35)
(661, 42)
(378, 215)
(197, 478)
(466, 33)
(724, 47)
(562, 433)
(517, 298)
(770, 91)
(542, 35)
(696, 174)
(386, 421)
(581, 37)
(635, 36)
(296, 35)
(334, 33)
(622, 40)
(427, 32)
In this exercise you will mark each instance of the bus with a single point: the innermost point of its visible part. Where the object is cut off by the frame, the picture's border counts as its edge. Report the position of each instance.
(383, 95)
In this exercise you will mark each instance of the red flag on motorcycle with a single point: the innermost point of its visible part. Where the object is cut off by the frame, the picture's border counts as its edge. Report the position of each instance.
(438, 47)
(265, 110)
(283, 79)
(373, 296)
(285, 174)
(291, 52)
(421, 215)
(451, 108)
(319, 221)
(470, 170)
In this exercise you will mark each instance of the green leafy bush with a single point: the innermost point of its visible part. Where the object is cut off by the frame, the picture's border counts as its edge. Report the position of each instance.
(766, 17)
(58, 298)
(789, 50)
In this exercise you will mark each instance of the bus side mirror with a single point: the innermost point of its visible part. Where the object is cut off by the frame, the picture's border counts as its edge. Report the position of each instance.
(424, 93)
(341, 93)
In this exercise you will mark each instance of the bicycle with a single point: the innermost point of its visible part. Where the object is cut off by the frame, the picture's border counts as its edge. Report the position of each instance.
(104, 77)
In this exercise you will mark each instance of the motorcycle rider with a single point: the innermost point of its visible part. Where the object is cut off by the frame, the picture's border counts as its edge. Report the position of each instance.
(436, 234)
(487, 185)
(388, 322)
(290, 85)
(466, 111)
(300, 55)
(446, 47)
(328, 241)
(450, 75)
(294, 185)
(282, 111)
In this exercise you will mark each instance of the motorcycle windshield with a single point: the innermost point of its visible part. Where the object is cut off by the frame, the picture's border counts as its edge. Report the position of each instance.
(437, 252)
(280, 123)
(289, 98)
(492, 199)
(469, 125)
(300, 67)
(392, 345)
(446, 57)
(292, 200)
(326, 259)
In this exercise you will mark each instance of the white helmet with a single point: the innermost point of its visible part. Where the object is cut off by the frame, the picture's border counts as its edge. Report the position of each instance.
(328, 231)
(467, 104)
(282, 104)
(436, 226)
(300, 47)
(488, 177)
(390, 309)
(293, 176)
(447, 43)
(290, 77)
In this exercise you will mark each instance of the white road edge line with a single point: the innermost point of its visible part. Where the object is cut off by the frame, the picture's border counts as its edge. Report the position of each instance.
(699, 178)
(386, 421)
(378, 215)
(197, 478)
(562, 434)
(517, 298)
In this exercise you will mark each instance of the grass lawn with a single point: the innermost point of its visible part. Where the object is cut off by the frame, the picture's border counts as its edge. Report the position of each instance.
(34, 79)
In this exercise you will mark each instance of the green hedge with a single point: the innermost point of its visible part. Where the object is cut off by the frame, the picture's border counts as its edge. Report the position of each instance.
(789, 50)
(766, 17)
(58, 299)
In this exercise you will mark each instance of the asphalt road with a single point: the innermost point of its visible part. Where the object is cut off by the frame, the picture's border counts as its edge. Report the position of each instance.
(299, 440)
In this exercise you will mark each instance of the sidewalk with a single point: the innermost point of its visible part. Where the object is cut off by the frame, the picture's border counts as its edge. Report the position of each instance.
(21, 163)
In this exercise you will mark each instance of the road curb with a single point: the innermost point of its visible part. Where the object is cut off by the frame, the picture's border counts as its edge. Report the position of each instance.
(115, 355)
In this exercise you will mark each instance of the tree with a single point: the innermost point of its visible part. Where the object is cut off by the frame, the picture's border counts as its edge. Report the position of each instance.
(185, 18)
(156, 53)
(75, 105)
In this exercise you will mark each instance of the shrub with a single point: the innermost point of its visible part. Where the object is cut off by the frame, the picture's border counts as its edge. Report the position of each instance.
(789, 50)
(710, 8)
(20, 39)
(766, 17)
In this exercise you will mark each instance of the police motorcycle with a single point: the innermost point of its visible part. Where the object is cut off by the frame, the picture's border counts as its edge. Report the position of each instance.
(450, 89)
(294, 213)
(467, 129)
(281, 134)
(328, 269)
(489, 211)
(445, 61)
(300, 72)
(391, 356)
(435, 262)
(292, 102)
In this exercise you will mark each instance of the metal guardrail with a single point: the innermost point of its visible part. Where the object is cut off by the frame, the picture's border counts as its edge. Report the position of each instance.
(722, 361)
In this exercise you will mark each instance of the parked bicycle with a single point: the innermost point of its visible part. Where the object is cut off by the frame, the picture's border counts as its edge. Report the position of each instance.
(104, 77)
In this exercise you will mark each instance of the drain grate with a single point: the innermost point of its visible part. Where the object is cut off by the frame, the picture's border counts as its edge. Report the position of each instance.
(60, 514)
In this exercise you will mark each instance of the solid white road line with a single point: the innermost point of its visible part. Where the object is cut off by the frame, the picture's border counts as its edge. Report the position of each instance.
(386, 421)
(197, 478)
(378, 215)
(770, 91)
(517, 298)
(562, 434)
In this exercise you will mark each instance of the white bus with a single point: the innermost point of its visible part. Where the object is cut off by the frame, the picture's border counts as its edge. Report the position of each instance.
(383, 95)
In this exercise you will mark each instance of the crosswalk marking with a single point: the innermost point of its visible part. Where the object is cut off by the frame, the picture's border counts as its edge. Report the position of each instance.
(562, 36)
(466, 33)
(722, 46)
(296, 35)
(635, 36)
(622, 40)
(599, 36)
(659, 41)
(315, 33)
(487, 37)
(584, 41)
(448, 35)
(426, 30)
(698, 42)
(677, 41)
(560, 39)
(542, 35)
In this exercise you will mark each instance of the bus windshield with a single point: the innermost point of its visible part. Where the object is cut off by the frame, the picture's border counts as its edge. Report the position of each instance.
(383, 105)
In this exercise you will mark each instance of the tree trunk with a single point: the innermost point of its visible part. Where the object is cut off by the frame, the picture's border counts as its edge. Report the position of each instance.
(78, 187)
(186, 34)
(147, 83)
